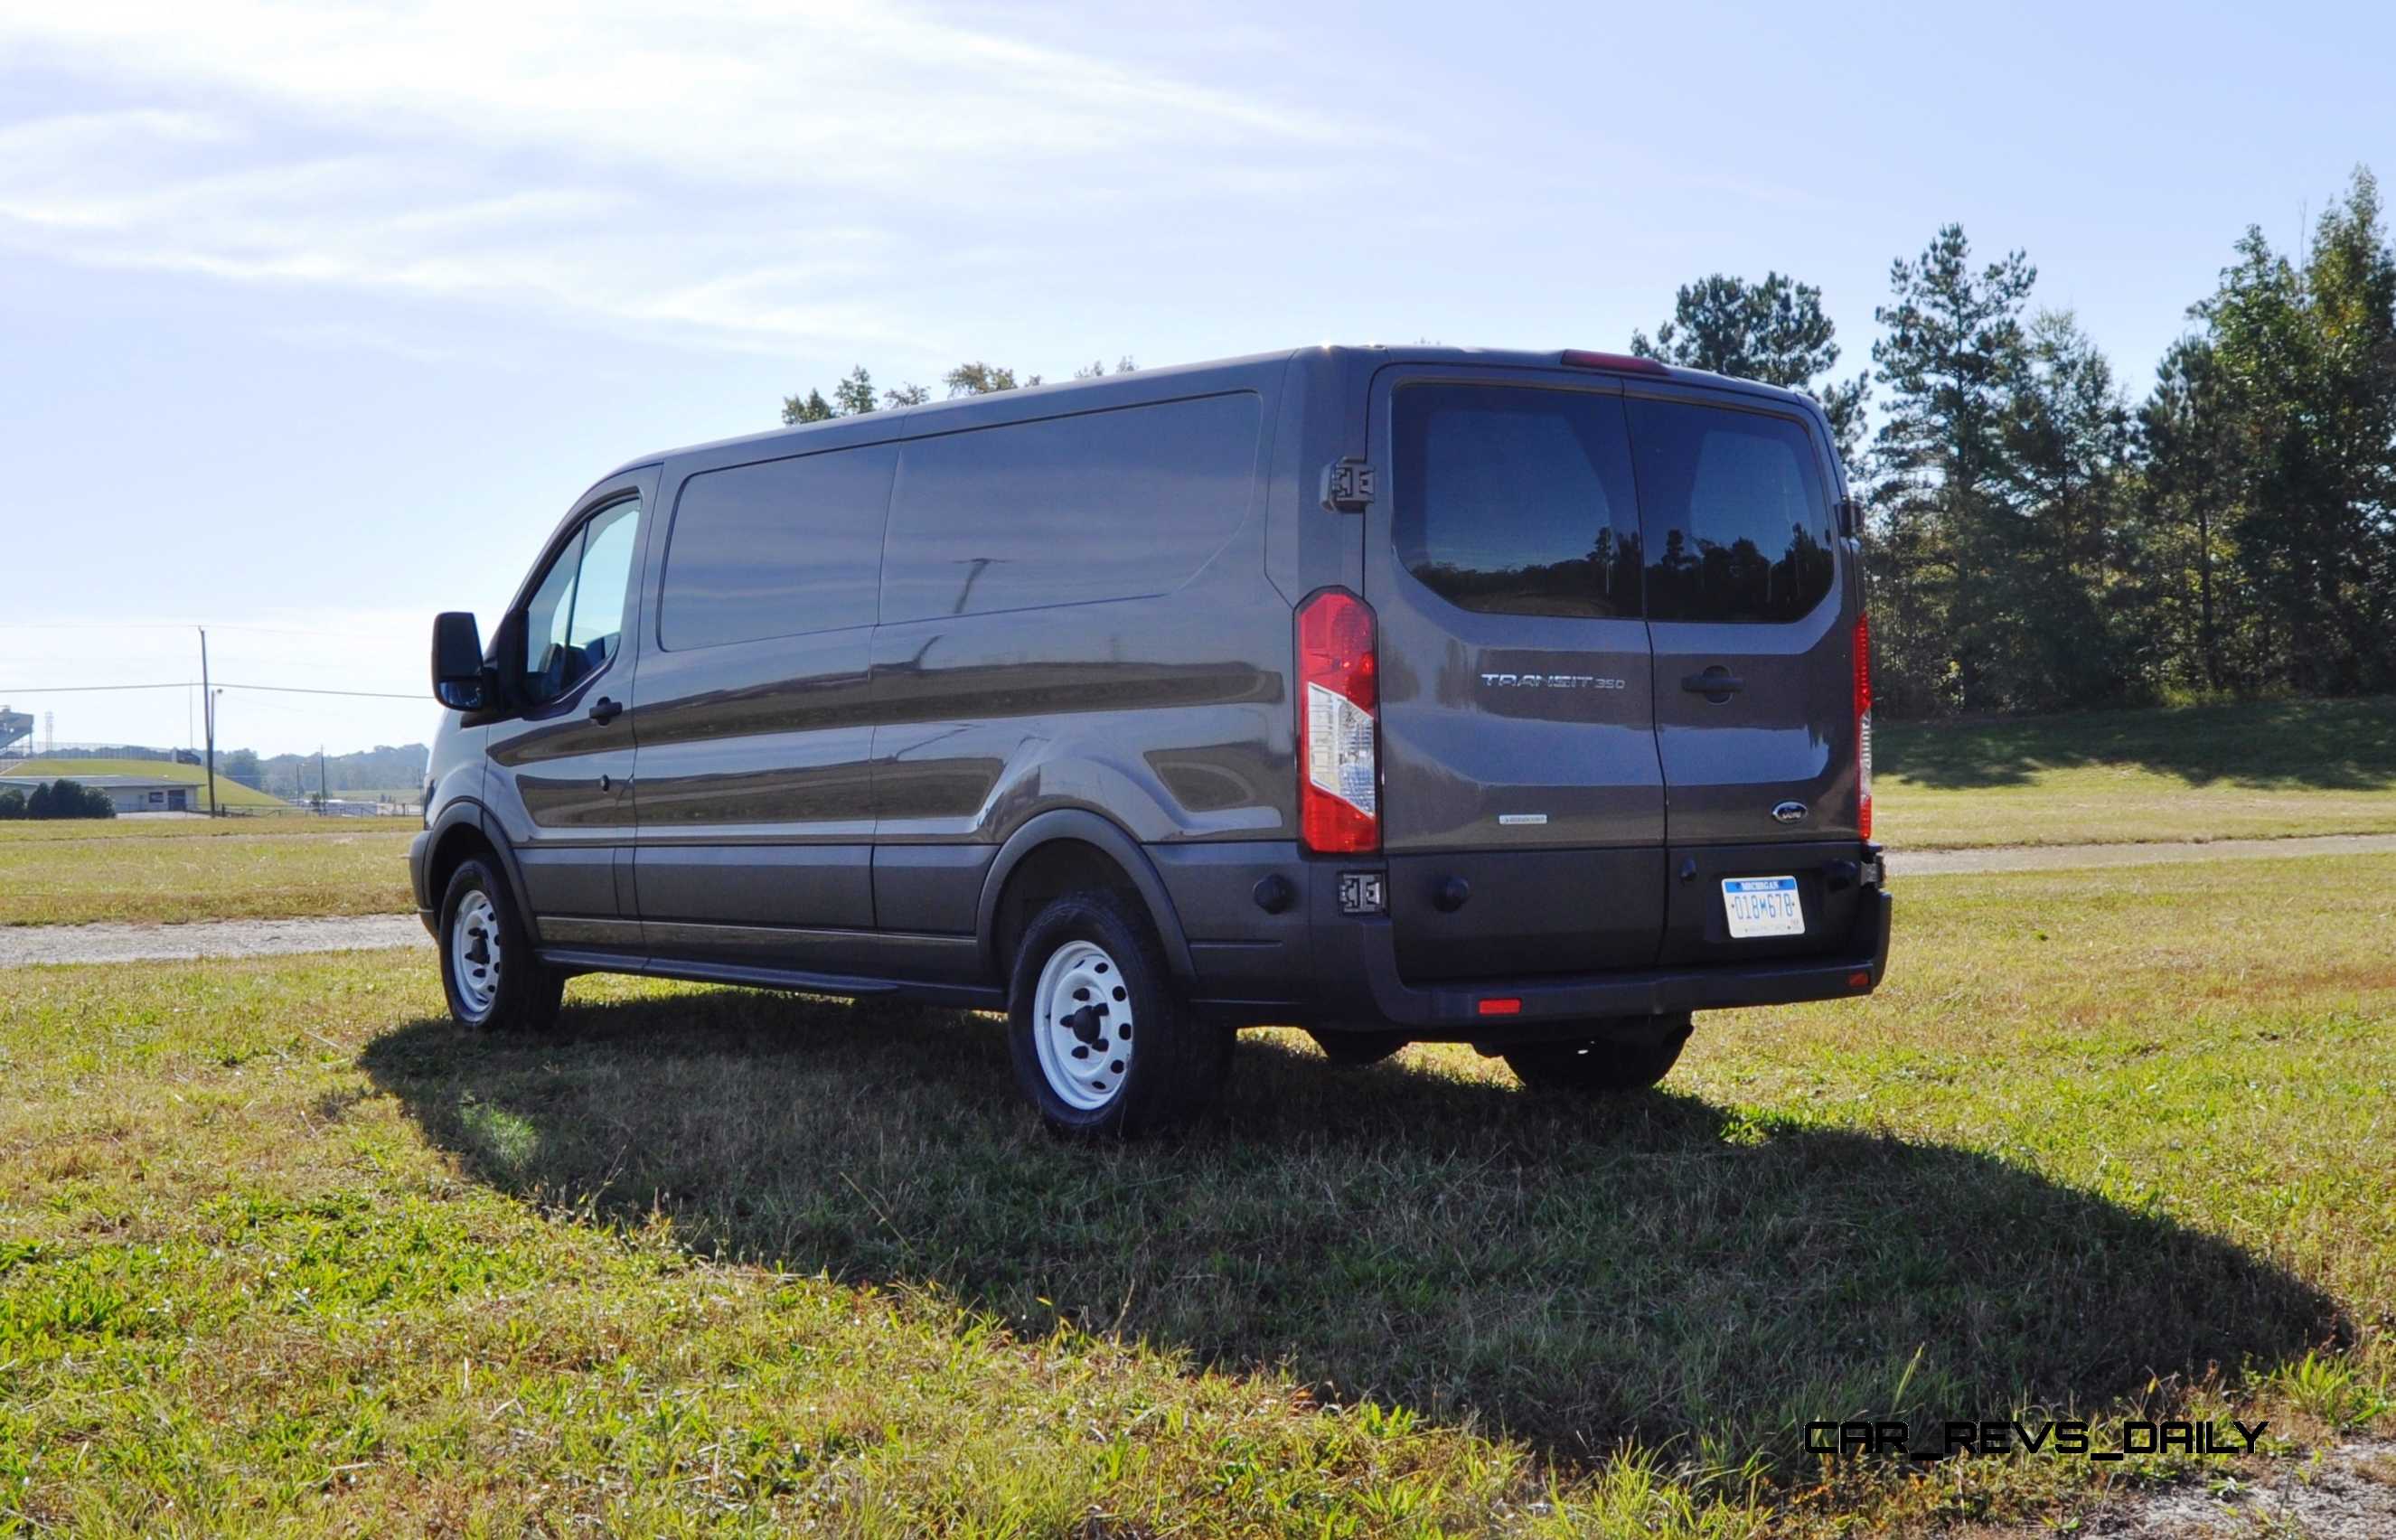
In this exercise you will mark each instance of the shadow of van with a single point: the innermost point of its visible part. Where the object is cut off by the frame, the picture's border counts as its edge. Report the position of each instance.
(1573, 1274)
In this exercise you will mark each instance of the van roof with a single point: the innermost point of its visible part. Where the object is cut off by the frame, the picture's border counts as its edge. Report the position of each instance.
(1181, 379)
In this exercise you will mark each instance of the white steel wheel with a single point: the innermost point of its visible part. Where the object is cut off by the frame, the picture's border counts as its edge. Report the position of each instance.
(474, 953)
(1082, 1027)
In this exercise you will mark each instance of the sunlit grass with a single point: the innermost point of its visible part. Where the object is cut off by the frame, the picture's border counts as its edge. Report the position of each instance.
(253, 868)
(278, 1246)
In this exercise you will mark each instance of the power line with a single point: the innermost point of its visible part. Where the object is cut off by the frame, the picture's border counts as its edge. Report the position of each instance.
(191, 684)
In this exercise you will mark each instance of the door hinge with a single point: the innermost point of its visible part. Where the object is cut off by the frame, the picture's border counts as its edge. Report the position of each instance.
(1347, 485)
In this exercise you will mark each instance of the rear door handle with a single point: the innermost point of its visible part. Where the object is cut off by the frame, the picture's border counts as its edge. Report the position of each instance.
(1716, 683)
(604, 710)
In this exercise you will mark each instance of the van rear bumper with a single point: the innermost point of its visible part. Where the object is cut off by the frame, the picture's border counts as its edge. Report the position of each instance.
(1310, 964)
(1455, 1010)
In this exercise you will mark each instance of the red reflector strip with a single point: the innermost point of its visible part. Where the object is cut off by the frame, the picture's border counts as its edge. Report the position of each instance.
(1499, 1007)
(1858, 981)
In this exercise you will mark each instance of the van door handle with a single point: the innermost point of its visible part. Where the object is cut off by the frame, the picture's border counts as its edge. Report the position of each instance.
(1716, 683)
(604, 710)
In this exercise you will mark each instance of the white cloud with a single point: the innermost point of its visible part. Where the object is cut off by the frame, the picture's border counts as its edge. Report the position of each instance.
(736, 174)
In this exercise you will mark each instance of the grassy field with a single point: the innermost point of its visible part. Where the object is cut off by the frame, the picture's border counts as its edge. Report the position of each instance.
(230, 794)
(71, 872)
(280, 1248)
(2242, 771)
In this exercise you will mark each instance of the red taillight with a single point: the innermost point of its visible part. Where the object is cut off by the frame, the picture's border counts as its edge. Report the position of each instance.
(1499, 1005)
(1863, 726)
(1581, 358)
(1338, 710)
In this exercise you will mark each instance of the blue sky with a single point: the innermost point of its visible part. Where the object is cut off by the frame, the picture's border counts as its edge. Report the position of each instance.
(312, 319)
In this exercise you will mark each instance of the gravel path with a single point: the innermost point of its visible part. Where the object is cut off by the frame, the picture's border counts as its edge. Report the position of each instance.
(1943, 863)
(111, 943)
(20, 945)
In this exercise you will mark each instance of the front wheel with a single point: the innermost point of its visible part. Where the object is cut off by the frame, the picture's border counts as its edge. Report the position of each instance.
(488, 971)
(1101, 1039)
(1631, 1062)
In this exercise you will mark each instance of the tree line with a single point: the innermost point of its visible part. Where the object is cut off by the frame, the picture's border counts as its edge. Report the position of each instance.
(855, 394)
(2036, 539)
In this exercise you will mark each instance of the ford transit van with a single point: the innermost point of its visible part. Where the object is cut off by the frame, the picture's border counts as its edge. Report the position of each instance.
(1397, 694)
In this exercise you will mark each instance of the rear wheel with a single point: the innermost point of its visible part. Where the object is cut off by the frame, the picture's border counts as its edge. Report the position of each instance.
(1632, 1060)
(1355, 1050)
(1101, 1039)
(488, 971)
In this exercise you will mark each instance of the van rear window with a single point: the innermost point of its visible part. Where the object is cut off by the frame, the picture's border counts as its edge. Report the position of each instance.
(1738, 529)
(1516, 501)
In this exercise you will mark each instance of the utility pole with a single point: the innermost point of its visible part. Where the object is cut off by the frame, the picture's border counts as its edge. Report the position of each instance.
(208, 705)
(324, 791)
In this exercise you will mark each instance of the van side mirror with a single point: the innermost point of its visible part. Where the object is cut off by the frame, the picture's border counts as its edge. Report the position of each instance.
(460, 680)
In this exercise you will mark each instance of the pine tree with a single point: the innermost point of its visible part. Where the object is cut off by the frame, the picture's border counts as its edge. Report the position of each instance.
(1774, 331)
(2071, 628)
(811, 407)
(854, 395)
(2307, 359)
(2188, 448)
(1954, 355)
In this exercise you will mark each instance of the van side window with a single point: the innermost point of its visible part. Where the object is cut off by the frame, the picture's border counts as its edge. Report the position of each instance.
(1738, 529)
(1102, 505)
(1516, 501)
(776, 549)
(575, 620)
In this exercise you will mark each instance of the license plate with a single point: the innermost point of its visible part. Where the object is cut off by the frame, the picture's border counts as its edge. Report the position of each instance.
(1763, 906)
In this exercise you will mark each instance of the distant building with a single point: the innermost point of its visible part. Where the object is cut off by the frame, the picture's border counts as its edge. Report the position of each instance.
(15, 726)
(130, 793)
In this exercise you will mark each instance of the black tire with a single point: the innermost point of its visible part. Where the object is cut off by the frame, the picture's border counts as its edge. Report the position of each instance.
(524, 996)
(1355, 1050)
(1106, 943)
(1630, 1060)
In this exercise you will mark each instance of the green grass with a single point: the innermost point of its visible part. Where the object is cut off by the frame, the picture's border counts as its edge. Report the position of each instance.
(2255, 770)
(280, 1248)
(76, 871)
(230, 794)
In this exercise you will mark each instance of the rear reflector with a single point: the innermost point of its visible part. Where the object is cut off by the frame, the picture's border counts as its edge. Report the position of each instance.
(1858, 981)
(1863, 726)
(1338, 709)
(1580, 358)
(1499, 1007)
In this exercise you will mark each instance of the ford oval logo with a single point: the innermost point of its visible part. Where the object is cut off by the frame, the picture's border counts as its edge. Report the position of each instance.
(1788, 812)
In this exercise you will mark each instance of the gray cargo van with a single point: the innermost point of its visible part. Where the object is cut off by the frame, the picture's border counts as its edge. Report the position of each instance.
(1398, 694)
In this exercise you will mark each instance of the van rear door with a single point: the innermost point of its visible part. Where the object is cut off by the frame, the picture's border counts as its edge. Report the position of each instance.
(1752, 598)
(1522, 806)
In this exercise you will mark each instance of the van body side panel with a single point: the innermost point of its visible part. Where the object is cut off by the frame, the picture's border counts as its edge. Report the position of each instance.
(757, 778)
(1149, 688)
